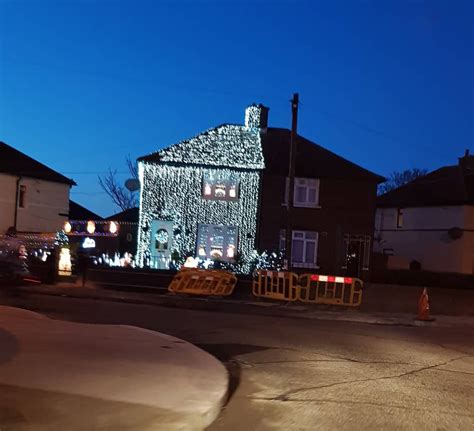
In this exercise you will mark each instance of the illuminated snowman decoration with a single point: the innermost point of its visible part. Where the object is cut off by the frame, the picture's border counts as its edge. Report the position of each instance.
(65, 266)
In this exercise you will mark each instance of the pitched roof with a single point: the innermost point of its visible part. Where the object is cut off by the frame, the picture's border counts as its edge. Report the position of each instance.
(130, 215)
(444, 186)
(78, 212)
(312, 160)
(14, 162)
(224, 146)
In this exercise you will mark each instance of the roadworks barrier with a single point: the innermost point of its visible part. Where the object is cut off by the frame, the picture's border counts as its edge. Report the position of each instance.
(203, 282)
(312, 288)
(276, 285)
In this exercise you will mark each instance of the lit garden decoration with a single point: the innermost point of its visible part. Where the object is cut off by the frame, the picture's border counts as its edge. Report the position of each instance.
(200, 197)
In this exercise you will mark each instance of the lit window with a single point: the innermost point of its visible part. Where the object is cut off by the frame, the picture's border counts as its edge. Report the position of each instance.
(220, 186)
(216, 242)
(399, 218)
(306, 192)
(304, 248)
(21, 197)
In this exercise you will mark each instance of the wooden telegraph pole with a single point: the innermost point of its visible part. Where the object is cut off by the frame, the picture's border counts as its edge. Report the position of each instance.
(291, 178)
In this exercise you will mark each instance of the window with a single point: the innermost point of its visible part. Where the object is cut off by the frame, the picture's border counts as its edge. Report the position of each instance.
(218, 186)
(217, 242)
(304, 248)
(399, 218)
(21, 197)
(306, 192)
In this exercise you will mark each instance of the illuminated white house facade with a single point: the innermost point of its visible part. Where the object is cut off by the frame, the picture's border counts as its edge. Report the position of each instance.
(201, 195)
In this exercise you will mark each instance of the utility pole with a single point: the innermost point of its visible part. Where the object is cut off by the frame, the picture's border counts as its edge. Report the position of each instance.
(291, 178)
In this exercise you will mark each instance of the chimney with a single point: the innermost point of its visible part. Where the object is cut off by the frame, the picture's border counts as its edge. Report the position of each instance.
(256, 117)
(466, 163)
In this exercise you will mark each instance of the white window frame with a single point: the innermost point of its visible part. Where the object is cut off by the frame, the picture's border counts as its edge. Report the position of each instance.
(305, 240)
(309, 184)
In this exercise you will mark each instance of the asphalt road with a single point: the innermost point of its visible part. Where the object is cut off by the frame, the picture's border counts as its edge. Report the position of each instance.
(295, 374)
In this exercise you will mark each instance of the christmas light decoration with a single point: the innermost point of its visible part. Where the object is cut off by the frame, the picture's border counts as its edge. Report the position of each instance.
(90, 227)
(65, 266)
(113, 227)
(190, 184)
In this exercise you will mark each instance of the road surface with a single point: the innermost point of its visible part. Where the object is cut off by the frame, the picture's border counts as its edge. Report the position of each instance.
(296, 374)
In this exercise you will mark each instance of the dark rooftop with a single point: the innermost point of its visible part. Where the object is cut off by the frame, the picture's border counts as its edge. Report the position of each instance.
(129, 215)
(312, 160)
(78, 212)
(14, 162)
(449, 185)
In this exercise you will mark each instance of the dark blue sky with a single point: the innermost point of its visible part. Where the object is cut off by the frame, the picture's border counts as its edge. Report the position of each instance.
(83, 84)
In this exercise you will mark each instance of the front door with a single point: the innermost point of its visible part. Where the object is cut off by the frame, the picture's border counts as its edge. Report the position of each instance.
(161, 243)
(356, 254)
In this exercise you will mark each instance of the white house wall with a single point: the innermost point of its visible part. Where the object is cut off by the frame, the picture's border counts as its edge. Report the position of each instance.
(44, 202)
(424, 237)
(7, 201)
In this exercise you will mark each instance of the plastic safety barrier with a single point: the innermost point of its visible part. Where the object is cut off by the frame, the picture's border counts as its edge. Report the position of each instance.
(203, 282)
(275, 285)
(313, 288)
(331, 290)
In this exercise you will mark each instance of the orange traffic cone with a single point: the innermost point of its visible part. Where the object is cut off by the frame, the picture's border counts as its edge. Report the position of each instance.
(424, 307)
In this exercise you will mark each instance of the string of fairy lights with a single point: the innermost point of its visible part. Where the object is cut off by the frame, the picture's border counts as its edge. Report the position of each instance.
(172, 186)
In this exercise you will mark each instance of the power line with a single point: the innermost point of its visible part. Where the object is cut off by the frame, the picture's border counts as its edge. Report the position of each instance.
(121, 78)
(223, 92)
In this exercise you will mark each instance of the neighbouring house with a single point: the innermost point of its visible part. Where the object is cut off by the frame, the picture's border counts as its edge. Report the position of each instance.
(222, 194)
(333, 206)
(128, 229)
(428, 223)
(91, 233)
(33, 197)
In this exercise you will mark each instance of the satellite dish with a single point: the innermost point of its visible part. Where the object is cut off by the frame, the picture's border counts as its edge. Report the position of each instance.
(132, 184)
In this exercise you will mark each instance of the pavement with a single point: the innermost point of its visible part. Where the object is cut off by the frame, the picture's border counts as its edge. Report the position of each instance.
(297, 374)
(58, 375)
(267, 307)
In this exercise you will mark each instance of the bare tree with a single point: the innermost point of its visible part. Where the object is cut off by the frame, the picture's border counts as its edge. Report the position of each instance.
(399, 178)
(120, 195)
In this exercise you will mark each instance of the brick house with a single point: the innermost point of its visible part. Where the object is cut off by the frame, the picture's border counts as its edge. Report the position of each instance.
(333, 210)
(223, 192)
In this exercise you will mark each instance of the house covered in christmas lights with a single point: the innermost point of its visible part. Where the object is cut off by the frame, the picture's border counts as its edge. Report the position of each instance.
(223, 193)
(201, 196)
